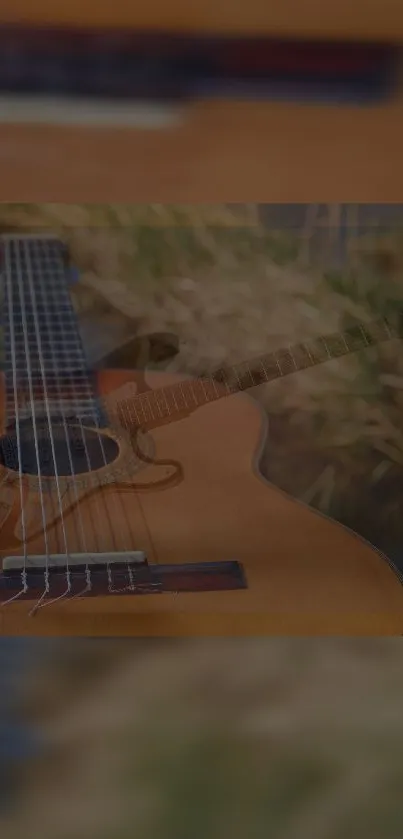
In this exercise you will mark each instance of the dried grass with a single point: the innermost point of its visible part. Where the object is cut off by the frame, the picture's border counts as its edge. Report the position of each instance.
(295, 738)
(230, 290)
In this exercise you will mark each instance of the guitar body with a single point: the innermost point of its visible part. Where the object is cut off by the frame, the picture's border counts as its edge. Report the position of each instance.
(191, 491)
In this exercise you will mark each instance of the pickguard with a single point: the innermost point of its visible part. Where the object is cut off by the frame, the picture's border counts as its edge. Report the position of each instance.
(88, 492)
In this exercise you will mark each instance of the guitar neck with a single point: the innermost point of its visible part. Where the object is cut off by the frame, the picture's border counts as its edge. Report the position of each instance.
(45, 364)
(170, 403)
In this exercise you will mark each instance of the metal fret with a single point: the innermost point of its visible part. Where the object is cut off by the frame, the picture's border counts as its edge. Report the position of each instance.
(336, 345)
(244, 375)
(209, 389)
(355, 338)
(57, 360)
(271, 367)
(301, 356)
(318, 350)
(146, 407)
(167, 403)
(187, 393)
(250, 374)
(286, 361)
(258, 374)
(179, 398)
(74, 360)
(223, 377)
(366, 337)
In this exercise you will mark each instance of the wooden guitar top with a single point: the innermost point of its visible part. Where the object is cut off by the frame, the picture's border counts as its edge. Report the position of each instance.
(306, 575)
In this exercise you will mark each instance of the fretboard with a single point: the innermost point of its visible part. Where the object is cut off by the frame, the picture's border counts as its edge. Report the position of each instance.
(171, 402)
(45, 364)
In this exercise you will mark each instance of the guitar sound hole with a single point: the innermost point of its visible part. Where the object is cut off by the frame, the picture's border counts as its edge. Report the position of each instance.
(58, 450)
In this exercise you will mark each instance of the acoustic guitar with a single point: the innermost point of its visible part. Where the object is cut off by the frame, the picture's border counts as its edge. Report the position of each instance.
(135, 506)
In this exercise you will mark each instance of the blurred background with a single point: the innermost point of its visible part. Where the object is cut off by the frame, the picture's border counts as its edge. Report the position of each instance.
(295, 738)
(210, 102)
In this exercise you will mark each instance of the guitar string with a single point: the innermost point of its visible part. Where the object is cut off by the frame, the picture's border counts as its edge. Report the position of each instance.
(9, 293)
(75, 401)
(39, 345)
(21, 297)
(125, 512)
(25, 326)
(74, 477)
(365, 343)
(61, 408)
(126, 546)
(52, 441)
(11, 324)
(132, 535)
(40, 603)
(143, 517)
(94, 417)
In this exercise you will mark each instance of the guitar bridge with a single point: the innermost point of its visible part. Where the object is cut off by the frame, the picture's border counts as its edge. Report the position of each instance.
(125, 572)
(61, 562)
(105, 572)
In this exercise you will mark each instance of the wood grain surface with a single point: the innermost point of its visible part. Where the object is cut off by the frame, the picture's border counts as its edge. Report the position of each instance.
(306, 574)
(362, 19)
(223, 152)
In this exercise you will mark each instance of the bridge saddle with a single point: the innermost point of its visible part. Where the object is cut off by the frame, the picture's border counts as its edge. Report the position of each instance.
(73, 561)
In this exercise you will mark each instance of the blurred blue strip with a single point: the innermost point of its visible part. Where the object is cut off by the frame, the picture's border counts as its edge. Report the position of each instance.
(127, 66)
(73, 275)
(18, 742)
(322, 91)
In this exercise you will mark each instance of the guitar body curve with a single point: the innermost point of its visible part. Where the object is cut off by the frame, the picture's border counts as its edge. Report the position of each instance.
(199, 497)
